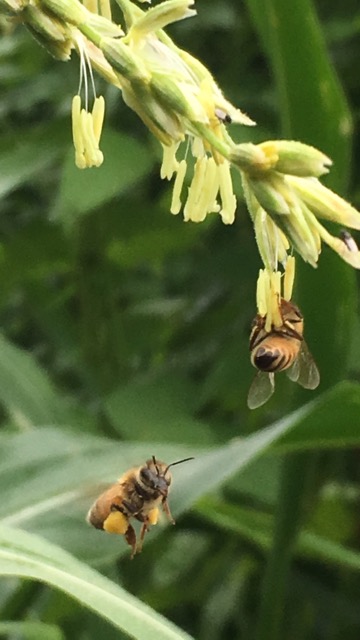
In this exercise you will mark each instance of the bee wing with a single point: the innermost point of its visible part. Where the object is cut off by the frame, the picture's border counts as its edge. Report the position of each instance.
(261, 389)
(304, 370)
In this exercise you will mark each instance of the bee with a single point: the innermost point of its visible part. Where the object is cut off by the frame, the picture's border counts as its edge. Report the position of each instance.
(349, 241)
(281, 349)
(137, 494)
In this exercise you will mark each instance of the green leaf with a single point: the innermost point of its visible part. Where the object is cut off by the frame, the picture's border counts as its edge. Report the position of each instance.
(53, 476)
(25, 390)
(29, 556)
(257, 528)
(19, 163)
(31, 630)
(306, 79)
(126, 162)
(161, 405)
(332, 420)
(313, 109)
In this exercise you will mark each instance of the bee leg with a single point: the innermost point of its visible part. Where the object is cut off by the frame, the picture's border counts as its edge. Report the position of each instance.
(144, 529)
(151, 519)
(166, 510)
(130, 537)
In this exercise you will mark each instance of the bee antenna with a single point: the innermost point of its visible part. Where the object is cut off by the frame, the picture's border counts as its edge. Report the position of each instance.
(155, 465)
(177, 462)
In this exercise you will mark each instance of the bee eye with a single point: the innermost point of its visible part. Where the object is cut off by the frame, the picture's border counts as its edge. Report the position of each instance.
(146, 475)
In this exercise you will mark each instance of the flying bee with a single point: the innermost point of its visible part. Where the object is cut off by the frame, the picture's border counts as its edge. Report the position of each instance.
(138, 494)
(280, 349)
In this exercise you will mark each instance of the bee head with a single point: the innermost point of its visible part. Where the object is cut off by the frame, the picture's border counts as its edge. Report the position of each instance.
(155, 474)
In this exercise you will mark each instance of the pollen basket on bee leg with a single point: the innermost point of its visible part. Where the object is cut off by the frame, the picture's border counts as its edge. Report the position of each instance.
(116, 522)
(153, 516)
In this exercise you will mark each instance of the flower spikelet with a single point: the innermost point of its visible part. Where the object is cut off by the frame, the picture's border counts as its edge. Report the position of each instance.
(284, 186)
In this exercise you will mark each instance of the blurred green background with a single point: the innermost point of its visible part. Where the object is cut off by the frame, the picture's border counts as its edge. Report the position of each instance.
(124, 333)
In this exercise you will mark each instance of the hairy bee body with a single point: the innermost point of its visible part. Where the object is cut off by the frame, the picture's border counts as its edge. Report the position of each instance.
(139, 493)
(277, 350)
(280, 349)
(126, 495)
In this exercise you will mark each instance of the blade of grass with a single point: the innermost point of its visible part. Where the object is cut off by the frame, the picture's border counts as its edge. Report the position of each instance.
(256, 527)
(313, 107)
(29, 556)
(30, 630)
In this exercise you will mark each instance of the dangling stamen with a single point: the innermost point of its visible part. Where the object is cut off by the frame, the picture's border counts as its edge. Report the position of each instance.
(289, 278)
(87, 125)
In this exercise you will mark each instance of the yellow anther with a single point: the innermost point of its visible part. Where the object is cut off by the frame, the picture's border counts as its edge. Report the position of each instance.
(178, 185)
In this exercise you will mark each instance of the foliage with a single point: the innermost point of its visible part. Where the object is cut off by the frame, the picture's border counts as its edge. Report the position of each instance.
(125, 333)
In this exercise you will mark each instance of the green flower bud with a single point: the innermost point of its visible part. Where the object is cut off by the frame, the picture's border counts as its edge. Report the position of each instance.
(158, 17)
(124, 61)
(250, 158)
(50, 28)
(268, 195)
(58, 50)
(348, 251)
(176, 96)
(68, 10)
(165, 126)
(325, 203)
(12, 6)
(304, 237)
(130, 12)
(296, 158)
(104, 26)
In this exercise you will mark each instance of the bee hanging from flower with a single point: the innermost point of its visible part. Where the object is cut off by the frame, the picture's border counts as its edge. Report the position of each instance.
(276, 341)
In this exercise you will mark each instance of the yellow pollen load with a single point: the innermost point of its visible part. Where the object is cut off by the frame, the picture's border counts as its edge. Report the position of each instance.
(116, 522)
(153, 516)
